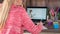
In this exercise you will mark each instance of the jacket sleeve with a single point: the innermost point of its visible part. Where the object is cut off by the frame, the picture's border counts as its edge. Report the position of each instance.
(28, 24)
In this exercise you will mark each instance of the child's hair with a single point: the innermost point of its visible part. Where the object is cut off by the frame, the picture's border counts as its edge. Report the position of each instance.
(4, 12)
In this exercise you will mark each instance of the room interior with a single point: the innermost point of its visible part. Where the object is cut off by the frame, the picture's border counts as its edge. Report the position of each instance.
(47, 11)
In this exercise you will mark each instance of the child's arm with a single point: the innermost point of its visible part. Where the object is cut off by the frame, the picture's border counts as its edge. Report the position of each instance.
(28, 24)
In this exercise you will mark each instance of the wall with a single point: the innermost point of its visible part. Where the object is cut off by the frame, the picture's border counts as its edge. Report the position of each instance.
(49, 3)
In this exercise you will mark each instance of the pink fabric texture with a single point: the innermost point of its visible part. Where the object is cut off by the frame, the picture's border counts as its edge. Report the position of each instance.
(17, 19)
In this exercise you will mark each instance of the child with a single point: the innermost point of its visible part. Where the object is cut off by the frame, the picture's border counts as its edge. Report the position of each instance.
(17, 19)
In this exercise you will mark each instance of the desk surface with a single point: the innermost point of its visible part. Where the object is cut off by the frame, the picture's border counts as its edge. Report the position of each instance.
(50, 30)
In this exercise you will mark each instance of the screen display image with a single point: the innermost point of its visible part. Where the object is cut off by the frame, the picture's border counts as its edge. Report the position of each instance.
(37, 12)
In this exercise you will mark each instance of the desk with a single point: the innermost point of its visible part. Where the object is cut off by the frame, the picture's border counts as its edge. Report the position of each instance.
(49, 31)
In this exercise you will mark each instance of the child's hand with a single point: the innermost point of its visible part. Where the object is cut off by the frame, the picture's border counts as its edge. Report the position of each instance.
(40, 23)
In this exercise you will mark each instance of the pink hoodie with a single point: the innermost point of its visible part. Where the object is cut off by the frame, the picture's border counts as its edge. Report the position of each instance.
(17, 19)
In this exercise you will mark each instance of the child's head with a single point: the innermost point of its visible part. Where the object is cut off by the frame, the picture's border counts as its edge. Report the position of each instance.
(18, 2)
